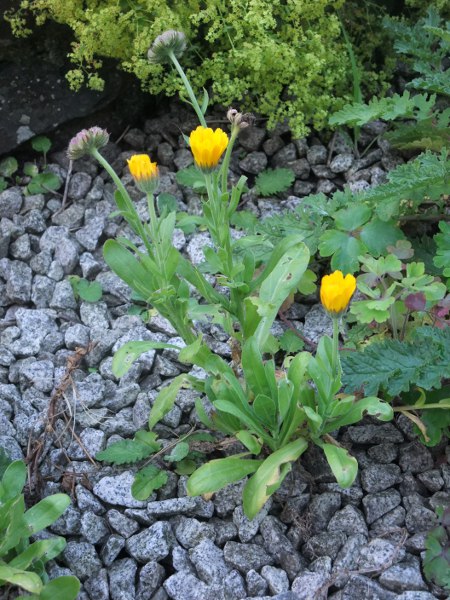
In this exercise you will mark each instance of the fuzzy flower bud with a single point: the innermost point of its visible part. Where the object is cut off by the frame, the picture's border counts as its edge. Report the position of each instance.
(207, 146)
(336, 292)
(86, 141)
(240, 120)
(144, 172)
(169, 42)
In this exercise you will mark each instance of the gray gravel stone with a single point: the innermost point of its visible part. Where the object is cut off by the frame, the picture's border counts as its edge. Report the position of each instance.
(21, 248)
(254, 163)
(93, 528)
(76, 336)
(317, 155)
(89, 235)
(97, 586)
(70, 217)
(195, 506)
(18, 283)
(68, 523)
(416, 596)
(432, 480)
(284, 156)
(384, 453)
(116, 490)
(63, 296)
(122, 574)
(82, 559)
(324, 544)
(341, 163)
(347, 559)
(42, 291)
(209, 562)
(66, 255)
(90, 267)
(190, 532)
(244, 557)
(304, 188)
(247, 529)
(79, 185)
(390, 522)
(276, 578)
(404, 576)
(310, 585)
(87, 501)
(150, 579)
(251, 138)
(375, 434)
(418, 518)
(153, 543)
(378, 554)
(233, 586)
(124, 526)
(185, 586)
(111, 549)
(415, 458)
(39, 374)
(256, 585)
(349, 520)
(376, 478)
(10, 202)
(280, 546)
(378, 504)
(322, 507)
(360, 586)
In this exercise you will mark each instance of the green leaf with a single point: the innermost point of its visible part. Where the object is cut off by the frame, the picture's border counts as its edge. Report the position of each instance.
(274, 181)
(41, 143)
(90, 291)
(44, 182)
(350, 219)
(166, 203)
(270, 476)
(3, 184)
(126, 451)
(45, 512)
(377, 235)
(290, 342)
(146, 481)
(43, 549)
(8, 166)
(216, 474)
(28, 581)
(128, 268)
(131, 351)
(65, 587)
(265, 410)
(30, 169)
(367, 311)
(5, 461)
(180, 451)
(344, 249)
(13, 480)
(344, 466)
(166, 399)
(249, 441)
(191, 177)
(442, 239)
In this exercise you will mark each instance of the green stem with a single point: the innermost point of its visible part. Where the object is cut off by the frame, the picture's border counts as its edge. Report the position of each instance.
(187, 85)
(227, 157)
(335, 355)
(424, 407)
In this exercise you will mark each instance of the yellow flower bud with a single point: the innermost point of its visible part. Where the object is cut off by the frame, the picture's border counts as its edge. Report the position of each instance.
(207, 146)
(336, 292)
(144, 172)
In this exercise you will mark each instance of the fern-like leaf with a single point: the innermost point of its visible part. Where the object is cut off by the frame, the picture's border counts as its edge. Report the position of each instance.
(442, 239)
(130, 451)
(274, 181)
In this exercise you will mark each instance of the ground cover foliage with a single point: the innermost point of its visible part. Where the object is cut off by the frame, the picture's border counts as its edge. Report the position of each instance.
(274, 398)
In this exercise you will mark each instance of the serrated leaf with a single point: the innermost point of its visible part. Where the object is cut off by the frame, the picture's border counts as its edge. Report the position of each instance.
(290, 342)
(125, 451)
(166, 203)
(191, 177)
(146, 481)
(274, 181)
(377, 235)
(349, 219)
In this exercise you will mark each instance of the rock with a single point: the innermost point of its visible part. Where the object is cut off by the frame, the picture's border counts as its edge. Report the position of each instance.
(123, 525)
(276, 578)
(233, 586)
(244, 557)
(68, 523)
(82, 559)
(415, 458)
(418, 518)
(42, 291)
(272, 145)
(390, 522)
(317, 325)
(39, 374)
(317, 155)
(10, 202)
(195, 506)
(254, 163)
(322, 507)
(150, 579)
(349, 520)
(378, 554)
(341, 163)
(89, 235)
(97, 585)
(374, 434)
(71, 217)
(66, 255)
(184, 586)
(18, 283)
(93, 528)
(191, 532)
(376, 478)
(300, 167)
(256, 585)
(404, 576)
(285, 155)
(378, 504)
(122, 574)
(63, 296)
(303, 188)
(324, 544)
(384, 453)
(251, 138)
(280, 546)
(111, 549)
(209, 562)
(432, 480)
(87, 501)
(116, 490)
(153, 543)
(364, 587)
(34, 326)
(247, 529)
(21, 248)
(347, 559)
(76, 336)
(310, 585)
(416, 596)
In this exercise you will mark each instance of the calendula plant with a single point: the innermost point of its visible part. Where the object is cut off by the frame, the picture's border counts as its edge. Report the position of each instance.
(274, 413)
(22, 563)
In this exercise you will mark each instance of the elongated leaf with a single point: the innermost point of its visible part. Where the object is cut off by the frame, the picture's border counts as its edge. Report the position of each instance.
(253, 367)
(265, 410)
(216, 474)
(370, 405)
(13, 480)
(249, 441)
(47, 549)
(45, 512)
(147, 480)
(125, 451)
(65, 587)
(269, 476)
(166, 399)
(128, 268)
(344, 466)
(24, 579)
(131, 351)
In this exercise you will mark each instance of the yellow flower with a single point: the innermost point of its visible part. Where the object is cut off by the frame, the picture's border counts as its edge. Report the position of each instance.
(144, 172)
(207, 146)
(336, 292)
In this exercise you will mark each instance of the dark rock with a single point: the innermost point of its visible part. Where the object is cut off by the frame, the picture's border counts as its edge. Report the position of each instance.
(419, 518)
(415, 458)
(377, 478)
(251, 138)
(364, 587)
(374, 434)
(244, 557)
(384, 453)
(317, 155)
(82, 559)
(324, 544)
(209, 562)
(379, 553)
(349, 520)
(378, 504)
(122, 574)
(309, 585)
(254, 163)
(153, 543)
(404, 576)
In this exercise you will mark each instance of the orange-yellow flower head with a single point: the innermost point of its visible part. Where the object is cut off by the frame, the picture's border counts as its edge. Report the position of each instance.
(144, 172)
(336, 292)
(207, 146)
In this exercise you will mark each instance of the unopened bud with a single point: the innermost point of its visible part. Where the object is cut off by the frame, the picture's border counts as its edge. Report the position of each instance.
(86, 141)
(240, 120)
(168, 43)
